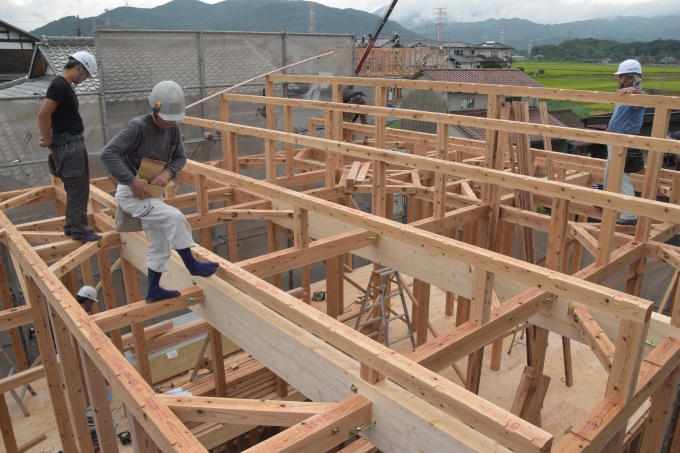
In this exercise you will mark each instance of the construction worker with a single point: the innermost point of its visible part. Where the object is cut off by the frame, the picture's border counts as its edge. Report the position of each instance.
(87, 297)
(627, 119)
(62, 129)
(351, 96)
(155, 135)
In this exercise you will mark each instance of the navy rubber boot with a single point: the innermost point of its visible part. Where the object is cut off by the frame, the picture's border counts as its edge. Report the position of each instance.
(89, 237)
(154, 292)
(196, 267)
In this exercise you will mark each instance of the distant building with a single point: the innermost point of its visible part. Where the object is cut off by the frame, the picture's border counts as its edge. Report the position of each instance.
(606, 61)
(16, 51)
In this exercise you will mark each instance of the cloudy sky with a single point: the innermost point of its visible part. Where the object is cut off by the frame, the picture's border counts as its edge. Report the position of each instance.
(30, 14)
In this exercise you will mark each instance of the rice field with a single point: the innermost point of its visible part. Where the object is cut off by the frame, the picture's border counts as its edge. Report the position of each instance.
(597, 77)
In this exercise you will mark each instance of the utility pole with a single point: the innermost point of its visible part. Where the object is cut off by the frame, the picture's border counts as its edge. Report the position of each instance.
(79, 34)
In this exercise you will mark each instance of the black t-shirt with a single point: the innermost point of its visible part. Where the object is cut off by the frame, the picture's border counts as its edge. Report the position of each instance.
(65, 117)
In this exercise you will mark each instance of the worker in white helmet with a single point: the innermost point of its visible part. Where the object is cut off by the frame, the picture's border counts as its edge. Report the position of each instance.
(155, 135)
(627, 119)
(62, 130)
(87, 297)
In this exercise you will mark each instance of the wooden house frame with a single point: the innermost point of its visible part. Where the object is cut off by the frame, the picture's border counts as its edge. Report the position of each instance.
(395, 402)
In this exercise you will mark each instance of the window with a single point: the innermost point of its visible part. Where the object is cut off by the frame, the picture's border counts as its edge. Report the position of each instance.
(471, 52)
(507, 54)
(513, 99)
(467, 103)
(494, 53)
(459, 52)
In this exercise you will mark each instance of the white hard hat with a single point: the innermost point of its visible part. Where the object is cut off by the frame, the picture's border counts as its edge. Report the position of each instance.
(87, 60)
(629, 67)
(89, 292)
(167, 101)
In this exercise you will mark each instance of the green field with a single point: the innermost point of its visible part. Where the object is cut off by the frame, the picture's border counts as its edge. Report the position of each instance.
(597, 77)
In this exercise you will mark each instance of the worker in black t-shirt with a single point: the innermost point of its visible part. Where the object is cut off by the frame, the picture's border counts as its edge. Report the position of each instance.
(62, 132)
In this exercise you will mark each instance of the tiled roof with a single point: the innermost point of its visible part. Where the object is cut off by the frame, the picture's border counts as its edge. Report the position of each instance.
(477, 133)
(569, 118)
(57, 50)
(513, 77)
(33, 87)
(130, 64)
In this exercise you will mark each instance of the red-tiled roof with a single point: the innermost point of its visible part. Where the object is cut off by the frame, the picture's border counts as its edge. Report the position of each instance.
(477, 133)
(513, 77)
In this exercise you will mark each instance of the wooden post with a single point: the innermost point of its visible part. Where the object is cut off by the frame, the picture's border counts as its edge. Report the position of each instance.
(8, 437)
(133, 295)
(288, 147)
(232, 240)
(270, 145)
(660, 414)
(109, 293)
(625, 370)
(7, 303)
(274, 245)
(334, 286)
(301, 241)
(482, 280)
(203, 209)
(103, 422)
(51, 366)
(649, 190)
(218, 362)
(140, 439)
(608, 226)
(229, 150)
(73, 381)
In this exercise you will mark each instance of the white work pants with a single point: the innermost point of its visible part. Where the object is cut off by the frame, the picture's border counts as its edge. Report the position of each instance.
(165, 226)
(626, 185)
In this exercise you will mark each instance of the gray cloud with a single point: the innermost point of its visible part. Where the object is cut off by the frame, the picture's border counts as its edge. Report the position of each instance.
(31, 14)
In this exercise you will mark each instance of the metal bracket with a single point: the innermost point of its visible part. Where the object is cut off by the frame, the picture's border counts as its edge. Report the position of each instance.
(358, 429)
(371, 238)
(191, 299)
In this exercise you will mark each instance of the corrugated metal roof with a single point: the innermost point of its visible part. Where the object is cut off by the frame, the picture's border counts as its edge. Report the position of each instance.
(480, 134)
(512, 77)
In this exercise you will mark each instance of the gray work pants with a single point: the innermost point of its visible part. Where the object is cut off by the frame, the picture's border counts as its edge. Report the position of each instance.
(74, 171)
(626, 185)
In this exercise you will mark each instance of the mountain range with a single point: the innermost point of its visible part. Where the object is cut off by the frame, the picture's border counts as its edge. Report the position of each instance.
(273, 15)
(520, 31)
(229, 15)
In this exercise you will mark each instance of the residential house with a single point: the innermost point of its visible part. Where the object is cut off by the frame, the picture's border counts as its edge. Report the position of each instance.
(16, 51)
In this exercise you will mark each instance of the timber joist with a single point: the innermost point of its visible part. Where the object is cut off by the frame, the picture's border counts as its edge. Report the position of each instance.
(464, 199)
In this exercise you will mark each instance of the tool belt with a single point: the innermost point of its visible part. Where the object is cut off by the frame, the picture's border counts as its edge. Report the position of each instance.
(65, 138)
(634, 161)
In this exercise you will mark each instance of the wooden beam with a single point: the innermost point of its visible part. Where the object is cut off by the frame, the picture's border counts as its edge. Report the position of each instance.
(318, 433)
(254, 214)
(125, 381)
(21, 378)
(506, 90)
(601, 345)
(21, 199)
(243, 411)
(448, 397)
(628, 307)
(8, 437)
(138, 312)
(283, 260)
(654, 209)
